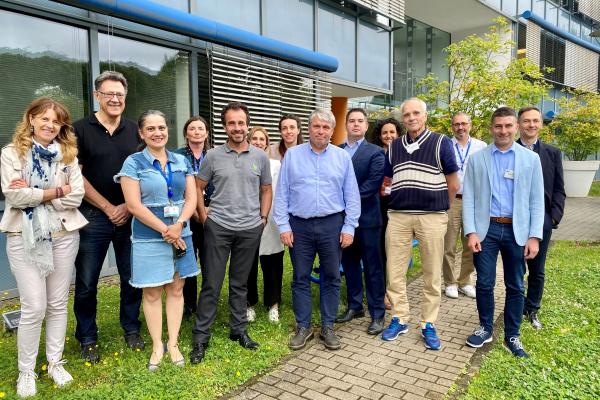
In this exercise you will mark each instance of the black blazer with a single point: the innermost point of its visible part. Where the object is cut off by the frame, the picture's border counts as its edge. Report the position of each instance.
(554, 185)
(369, 163)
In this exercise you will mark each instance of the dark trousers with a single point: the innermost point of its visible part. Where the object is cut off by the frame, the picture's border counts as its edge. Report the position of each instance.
(272, 270)
(366, 247)
(311, 237)
(95, 238)
(190, 287)
(535, 280)
(500, 238)
(219, 243)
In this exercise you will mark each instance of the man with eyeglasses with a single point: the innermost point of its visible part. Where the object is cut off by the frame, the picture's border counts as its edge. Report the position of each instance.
(459, 279)
(104, 140)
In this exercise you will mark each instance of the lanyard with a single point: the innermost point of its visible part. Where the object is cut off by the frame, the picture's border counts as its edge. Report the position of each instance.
(197, 163)
(168, 178)
(463, 160)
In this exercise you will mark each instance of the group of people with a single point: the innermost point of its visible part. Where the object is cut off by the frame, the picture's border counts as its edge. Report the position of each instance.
(72, 189)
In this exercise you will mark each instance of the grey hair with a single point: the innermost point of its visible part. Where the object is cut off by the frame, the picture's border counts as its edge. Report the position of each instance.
(146, 114)
(464, 114)
(418, 100)
(110, 76)
(323, 115)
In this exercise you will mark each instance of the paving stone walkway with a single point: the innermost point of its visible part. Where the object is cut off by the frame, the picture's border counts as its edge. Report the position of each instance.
(368, 368)
(581, 220)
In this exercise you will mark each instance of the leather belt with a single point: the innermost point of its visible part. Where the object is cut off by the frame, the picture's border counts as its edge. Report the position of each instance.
(458, 196)
(501, 220)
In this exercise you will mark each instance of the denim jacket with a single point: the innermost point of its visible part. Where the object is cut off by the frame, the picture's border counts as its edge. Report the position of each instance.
(153, 189)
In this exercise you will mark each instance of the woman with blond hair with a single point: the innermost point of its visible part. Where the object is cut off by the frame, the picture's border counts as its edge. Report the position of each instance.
(43, 187)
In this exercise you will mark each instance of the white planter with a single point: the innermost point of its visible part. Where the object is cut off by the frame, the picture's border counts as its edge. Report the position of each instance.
(579, 176)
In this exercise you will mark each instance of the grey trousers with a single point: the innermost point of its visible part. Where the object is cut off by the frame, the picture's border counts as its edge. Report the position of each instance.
(42, 297)
(219, 244)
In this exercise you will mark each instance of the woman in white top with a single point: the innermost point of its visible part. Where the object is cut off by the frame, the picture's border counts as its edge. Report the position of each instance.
(43, 187)
(270, 251)
(290, 128)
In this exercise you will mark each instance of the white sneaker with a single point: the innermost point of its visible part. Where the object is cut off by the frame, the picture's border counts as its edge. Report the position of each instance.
(452, 291)
(250, 314)
(274, 314)
(58, 373)
(26, 384)
(468, 290)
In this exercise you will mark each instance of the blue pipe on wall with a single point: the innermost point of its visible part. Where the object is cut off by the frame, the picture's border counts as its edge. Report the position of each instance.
(559, 32)
(169, 19)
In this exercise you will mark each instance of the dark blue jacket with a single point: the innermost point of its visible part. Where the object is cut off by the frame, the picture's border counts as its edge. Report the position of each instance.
(369, 164)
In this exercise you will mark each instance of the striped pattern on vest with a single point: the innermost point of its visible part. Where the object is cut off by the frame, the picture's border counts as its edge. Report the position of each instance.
(418, 182)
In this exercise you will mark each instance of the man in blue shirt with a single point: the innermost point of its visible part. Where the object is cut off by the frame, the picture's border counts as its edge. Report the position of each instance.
(503, 211)
(317, 206)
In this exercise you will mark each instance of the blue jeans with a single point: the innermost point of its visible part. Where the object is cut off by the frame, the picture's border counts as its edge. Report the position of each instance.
(314, 236)
(500, 238)
(366, 247)
(93, 246)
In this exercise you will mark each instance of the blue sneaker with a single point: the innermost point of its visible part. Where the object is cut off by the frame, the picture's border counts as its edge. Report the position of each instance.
(432, 341)
(394, 330)
(515, 347)
(479, 338)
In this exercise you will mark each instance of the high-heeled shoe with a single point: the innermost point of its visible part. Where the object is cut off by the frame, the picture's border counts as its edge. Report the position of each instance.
(180, 362)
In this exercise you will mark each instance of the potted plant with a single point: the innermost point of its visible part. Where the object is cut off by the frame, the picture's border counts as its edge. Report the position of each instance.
(576, 131)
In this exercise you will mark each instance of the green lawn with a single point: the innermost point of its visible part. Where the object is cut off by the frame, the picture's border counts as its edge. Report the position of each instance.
(595, 190)
(122, 373)
(565, 355)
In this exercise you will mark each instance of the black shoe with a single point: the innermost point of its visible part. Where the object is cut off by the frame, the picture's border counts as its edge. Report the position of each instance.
(244, 340)
(90, 352)
(376, 327)
(330, 339)
(197, 353)
(302, 336)
(349, 316)
(534, 319)
(134, 341)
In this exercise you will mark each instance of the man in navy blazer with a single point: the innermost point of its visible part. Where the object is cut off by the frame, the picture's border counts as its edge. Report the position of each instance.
(368, 161)
(503, 211)
(530, 124)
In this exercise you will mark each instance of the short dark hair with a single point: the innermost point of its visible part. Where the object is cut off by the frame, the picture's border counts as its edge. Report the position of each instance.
(235, 105)
(503, 112)
(290, 116)
(207, 144)
(379, 126)
(356, 109)
(110, 76)
(523, 110)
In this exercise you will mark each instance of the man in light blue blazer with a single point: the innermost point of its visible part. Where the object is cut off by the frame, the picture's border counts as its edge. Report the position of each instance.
(503, 211)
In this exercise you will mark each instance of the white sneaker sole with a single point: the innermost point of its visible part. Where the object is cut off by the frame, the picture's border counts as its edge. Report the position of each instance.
(481, 345)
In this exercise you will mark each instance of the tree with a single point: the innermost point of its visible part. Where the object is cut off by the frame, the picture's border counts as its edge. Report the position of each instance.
(576, 128)
(479, 83)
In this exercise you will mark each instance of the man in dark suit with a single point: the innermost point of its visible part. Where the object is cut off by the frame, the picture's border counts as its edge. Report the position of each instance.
(530, 124)
(368, 161)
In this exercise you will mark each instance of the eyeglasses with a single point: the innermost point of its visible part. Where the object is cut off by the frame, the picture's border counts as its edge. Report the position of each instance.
(110, 95)
(460, 124)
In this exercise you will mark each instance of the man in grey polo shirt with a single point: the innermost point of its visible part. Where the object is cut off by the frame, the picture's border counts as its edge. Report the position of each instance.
(233, 226)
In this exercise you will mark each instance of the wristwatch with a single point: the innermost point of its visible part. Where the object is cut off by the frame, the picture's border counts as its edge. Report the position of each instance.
(182, 222)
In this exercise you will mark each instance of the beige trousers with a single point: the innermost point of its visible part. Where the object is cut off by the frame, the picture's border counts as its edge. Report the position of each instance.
(463, 273)
(42, 297)
(429, 230)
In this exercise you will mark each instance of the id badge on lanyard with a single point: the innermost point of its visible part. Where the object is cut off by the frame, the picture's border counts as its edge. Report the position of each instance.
(170, 210)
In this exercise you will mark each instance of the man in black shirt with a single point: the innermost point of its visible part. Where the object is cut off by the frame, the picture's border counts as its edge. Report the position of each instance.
(105, 139)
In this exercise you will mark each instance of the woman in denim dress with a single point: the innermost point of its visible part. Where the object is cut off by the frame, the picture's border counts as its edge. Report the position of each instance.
(160, 193)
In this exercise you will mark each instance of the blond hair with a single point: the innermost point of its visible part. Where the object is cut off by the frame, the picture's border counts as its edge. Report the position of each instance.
(23, 136)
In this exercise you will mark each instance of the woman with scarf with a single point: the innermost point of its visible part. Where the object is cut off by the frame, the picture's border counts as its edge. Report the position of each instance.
(43, 187)
(195, 132)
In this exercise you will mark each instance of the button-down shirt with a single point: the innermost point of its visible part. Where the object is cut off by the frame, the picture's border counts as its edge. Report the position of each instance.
(316, 185)
(503, 174)
(462, 155)
(351, 148)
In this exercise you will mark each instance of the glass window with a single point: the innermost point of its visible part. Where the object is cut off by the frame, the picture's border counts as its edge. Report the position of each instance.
(552, 54)
(538, 7)
(243, 14)
(563, 21)
(575, 27)
(373, 56)
(290, 21)
(158, 78)
(585, 32)
(551, 12)
(181, 5)
(494, 3)
(524, 5)
(509, 7)
(337, 38)
(50, 60)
